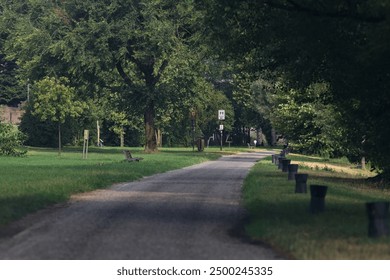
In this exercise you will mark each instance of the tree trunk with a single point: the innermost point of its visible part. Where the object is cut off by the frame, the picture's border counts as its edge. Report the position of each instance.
(244, 139)
(273, 136)
(122, 138)
(259, 136)
(150, 135)
(59, 139)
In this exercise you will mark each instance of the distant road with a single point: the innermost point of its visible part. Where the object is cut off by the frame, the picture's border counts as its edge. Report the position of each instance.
(191, 213)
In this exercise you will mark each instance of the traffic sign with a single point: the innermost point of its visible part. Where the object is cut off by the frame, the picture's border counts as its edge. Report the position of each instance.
(221, 115)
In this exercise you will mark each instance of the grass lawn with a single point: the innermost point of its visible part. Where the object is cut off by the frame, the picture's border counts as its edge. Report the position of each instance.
(278, 215)
(282, 218)
(42, 178)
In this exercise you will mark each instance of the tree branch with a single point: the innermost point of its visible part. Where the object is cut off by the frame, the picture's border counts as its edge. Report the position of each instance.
(127, 80)
(146, 67)
(161, 69)
(122, 73)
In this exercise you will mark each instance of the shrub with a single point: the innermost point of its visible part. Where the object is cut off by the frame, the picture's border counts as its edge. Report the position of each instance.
(11, 140)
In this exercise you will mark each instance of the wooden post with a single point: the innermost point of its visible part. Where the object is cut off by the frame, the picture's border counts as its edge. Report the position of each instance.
(85, 144)
(363, 163)
(98, 133)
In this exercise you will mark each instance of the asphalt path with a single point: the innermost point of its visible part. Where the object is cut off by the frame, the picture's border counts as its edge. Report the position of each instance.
(191, 213)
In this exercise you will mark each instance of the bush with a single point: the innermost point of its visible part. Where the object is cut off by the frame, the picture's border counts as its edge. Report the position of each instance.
(11, 140)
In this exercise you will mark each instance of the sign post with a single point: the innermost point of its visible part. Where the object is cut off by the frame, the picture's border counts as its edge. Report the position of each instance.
(221, 118)
(221, 131)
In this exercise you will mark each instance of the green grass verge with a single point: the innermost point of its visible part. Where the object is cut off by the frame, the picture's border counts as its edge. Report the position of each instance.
(282, 218)
(42, 178)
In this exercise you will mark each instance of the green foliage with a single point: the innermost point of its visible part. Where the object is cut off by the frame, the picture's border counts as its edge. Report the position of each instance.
(11, 92)
(249, 109)
(208, 113)
(143, 51)
(344, 44)
(54, 101)
(45, 133)
(308, 121)
(119, 119)
(11, 140)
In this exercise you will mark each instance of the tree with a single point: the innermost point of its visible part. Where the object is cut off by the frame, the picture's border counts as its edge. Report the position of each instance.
(306, 119)
(11, 93)
(123, 45)
(55, 101)
(120, 121)
(343, 43)
(245, 99)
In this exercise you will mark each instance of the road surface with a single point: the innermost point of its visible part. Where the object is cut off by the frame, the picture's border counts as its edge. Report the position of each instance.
(191, 213)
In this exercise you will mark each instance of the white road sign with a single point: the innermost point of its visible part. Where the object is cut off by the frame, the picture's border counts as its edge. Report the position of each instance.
(221, 115)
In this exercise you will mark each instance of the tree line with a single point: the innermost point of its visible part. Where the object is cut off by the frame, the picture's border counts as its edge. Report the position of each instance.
(316, 73)
(317, 70)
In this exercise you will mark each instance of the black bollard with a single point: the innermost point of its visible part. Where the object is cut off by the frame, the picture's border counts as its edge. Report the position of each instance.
(317, 202)
(285, 163)
(292, 170)
(378, 218)
(300, 183)
(277, 157)
(280, 164)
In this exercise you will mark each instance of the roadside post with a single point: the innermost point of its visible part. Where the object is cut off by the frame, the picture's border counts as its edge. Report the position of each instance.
(221, 131)
(85, 145)
(221, 118)
(193, 125)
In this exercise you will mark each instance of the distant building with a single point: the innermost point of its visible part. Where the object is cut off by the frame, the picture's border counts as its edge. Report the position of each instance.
(10, 114)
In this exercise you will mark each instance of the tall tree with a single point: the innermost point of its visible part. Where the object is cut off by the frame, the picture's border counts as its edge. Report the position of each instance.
(11, 92)
(122, 44)
(55, 101)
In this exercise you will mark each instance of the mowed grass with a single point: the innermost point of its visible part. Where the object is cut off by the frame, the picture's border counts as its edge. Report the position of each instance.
(281, 218)
(42, 178)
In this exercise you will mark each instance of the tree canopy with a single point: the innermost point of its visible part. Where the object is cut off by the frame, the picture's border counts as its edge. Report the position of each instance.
(316, 71)
(344, 44)
(55, 101)
(143, 49)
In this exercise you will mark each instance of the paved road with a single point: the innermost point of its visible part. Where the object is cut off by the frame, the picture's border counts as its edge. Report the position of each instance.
(191, 213)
